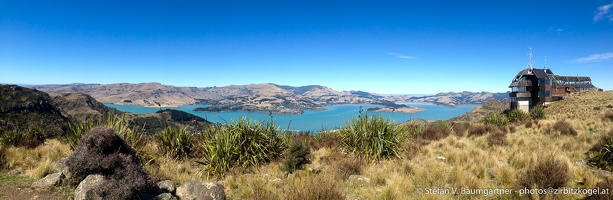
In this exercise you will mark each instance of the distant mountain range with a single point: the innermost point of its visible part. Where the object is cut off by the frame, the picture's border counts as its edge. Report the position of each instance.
(254, 97)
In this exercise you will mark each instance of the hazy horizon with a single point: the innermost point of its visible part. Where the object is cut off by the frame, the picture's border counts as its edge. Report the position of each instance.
(386, 47)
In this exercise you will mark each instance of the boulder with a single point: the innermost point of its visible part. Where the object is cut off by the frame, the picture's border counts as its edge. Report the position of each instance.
(165, 196)
(166, 186)
(61, 166)
(85, 190)
(192, 190)
(54, 179)
(359, 178)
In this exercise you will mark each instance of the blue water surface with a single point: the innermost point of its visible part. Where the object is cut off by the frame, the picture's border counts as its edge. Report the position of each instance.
(315, 120)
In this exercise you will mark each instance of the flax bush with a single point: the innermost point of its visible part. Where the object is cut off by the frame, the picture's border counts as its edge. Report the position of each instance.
(241, 144)
(496, 119)
(174, 142)
(537, 113)
(372, 137)
(517, 115)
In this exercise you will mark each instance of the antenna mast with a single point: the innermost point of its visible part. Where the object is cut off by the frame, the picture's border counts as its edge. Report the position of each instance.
(530, 62)
(545, 66)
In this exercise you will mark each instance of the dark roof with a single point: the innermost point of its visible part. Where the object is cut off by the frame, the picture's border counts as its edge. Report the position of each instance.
(573, 78)
(540, 73)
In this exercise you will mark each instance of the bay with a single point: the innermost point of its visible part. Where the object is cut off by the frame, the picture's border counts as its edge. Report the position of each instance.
(333, 117)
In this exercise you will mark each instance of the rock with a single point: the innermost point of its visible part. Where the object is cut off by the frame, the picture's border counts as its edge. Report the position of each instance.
(441, 158)
(192, 190)
(85, 190)
(602, 172)
(61, 166)
(359, 178)
(314, 170)
(54, 179)
(14, 172)
(165, 196)
(166, 186)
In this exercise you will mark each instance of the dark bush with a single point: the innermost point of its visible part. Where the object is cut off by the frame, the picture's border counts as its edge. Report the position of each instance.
(601, 154)
(437, 131)
(609, 116)
(477, 130)
(297, 156)
(564, 128)
(529, 124)
(606, 184)
(459, 129)
(609, 106)
(102, 151)
(497, 138)
(547, 172)
(597, 108)
(2, 158)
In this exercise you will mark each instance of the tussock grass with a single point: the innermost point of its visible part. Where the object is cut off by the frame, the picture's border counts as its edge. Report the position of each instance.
(35, 162)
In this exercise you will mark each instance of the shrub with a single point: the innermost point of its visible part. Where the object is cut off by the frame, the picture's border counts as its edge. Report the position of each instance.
(496, 119)
(22, 138)
(244, 143)
(174, 142)
(459, 129)
(372, 138)
(102, 151)
(497, 138)
(547, 172)
(297, 156)
(564, 128)
(314, 188)
(537, 112)
(517, 115)
(326, 139)
(601, 154)
(437, 131)
(477, 130)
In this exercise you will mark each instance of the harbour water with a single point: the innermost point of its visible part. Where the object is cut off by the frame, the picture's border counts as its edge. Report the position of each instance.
(315, 120)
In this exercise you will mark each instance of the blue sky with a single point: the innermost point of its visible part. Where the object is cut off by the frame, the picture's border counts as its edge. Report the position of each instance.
(390, 47)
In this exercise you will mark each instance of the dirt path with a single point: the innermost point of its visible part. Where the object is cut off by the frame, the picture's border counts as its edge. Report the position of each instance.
(10, 192)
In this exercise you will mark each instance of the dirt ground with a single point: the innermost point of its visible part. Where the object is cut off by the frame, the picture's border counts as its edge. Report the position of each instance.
(11, 192)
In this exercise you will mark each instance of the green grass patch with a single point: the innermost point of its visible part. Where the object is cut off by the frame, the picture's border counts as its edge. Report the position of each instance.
(16, 180)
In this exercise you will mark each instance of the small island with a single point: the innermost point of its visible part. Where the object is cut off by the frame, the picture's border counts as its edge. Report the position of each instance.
(396, 108)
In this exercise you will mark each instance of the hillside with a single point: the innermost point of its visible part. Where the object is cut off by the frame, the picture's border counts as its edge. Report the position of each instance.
(80, 106)
(490, 106)
(456, 98)
(254, 97)
(29, 110)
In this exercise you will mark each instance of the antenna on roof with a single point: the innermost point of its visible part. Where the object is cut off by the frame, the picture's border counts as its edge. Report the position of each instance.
(530, 62)
(545, 66)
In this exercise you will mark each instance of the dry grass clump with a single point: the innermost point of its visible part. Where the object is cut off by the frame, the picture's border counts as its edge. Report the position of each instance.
(606, 184)
(564, 128)
(497, 138)
(325, 139)
(546, 172)
(601, 154)
(314, 187)
(36, 163)
(481, 129)
(609, 116)
(344, 166)
(102, 151)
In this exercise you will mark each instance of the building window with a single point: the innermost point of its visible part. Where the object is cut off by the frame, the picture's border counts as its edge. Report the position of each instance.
(519, 89)
(544, 82)
(545, 94)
